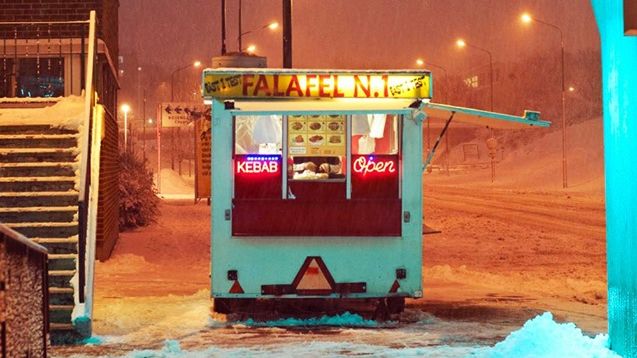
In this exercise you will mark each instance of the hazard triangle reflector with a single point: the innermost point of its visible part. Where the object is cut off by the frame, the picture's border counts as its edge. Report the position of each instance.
(236, 287)
(313, 278)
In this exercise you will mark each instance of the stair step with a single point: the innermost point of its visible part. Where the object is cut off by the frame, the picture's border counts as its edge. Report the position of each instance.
(61, 272)
(54, 240)
(50, 142)
(42, 214)
(61, 327)
(40, 193)
(60, 290)
(38, 169)
(61, 307)
(59, 246)
(57, 183)
(43, 229)
(29, 150)
(62, 256)
(61, 296)
(39, 136)
(35, 179)
(35, 129)
(30, 155)
(60, 264)
(39, 198)
(32, 209)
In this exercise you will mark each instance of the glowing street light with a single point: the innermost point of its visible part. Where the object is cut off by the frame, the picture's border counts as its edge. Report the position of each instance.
(251, 49)
(272, 26)
(526, 18)
(195, 64)
(571, 89)
(125, 108)
(421, 63)
(460, 43)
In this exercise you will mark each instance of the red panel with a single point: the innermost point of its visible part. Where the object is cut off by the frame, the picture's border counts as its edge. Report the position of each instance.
(257, 176)
(372, 217)
(375, 176)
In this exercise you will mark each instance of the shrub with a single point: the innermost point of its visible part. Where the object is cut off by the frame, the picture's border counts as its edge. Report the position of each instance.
(139, 203)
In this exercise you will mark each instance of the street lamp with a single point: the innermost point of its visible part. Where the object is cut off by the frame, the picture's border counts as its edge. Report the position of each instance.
(272, 26)
(251, 49)
(527, 19)
(195, 64)
(125, 108)
(460, 43)
(421, 63)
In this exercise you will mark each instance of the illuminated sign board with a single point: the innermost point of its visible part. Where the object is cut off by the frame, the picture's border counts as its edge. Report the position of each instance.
(258, 164)
(367, 165)
(319, 84)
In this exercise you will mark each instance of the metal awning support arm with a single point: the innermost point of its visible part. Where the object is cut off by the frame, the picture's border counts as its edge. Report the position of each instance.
(430, 156)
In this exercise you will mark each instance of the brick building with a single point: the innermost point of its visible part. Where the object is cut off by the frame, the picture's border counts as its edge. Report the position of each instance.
(51, 63)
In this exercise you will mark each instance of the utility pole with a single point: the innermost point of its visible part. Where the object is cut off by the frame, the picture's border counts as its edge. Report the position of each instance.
(223, 27)
(287, 33)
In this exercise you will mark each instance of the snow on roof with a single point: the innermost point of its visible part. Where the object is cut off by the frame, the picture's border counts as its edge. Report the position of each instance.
(68, 112)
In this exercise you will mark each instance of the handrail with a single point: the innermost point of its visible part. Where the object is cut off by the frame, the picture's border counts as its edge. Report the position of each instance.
(88, 92)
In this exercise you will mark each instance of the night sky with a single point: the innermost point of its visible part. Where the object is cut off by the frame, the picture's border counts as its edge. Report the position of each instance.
(163, 35)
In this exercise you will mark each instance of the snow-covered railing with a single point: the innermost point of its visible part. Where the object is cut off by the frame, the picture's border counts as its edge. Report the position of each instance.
(85, 161)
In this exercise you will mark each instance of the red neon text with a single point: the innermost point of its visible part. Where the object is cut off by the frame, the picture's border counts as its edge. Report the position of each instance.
(364, 166)
(256, 167)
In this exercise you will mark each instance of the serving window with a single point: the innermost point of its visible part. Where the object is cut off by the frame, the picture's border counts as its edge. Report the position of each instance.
(292, 175)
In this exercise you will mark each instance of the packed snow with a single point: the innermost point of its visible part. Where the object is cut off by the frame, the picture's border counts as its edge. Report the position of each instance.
(539, 337)
(68, 112)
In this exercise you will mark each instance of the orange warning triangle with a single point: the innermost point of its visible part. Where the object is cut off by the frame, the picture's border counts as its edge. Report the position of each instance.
(314, 278)
(236, 287)
(394, 288)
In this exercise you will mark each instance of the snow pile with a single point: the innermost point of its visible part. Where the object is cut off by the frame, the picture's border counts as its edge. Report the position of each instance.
(173, 183)
(68, 112)
(543, 337)
(344, 320)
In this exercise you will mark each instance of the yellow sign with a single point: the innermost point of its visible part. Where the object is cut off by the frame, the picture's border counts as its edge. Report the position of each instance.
(320, 84)
(316, 135)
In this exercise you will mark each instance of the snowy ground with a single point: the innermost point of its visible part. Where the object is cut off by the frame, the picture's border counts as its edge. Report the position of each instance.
(508, 252)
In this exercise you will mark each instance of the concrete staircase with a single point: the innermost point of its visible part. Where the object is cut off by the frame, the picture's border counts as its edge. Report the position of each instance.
(39, 175)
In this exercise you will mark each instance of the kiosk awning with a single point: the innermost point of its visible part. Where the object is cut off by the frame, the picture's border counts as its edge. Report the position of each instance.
(483, 118)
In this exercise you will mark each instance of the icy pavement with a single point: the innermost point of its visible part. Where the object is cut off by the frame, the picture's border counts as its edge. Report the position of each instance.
(539, 337)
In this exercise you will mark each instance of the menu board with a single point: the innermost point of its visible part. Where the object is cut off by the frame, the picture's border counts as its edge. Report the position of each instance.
(316, 135)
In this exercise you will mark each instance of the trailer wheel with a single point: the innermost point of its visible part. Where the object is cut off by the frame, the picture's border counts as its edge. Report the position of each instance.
(395, 305)
(382, 313)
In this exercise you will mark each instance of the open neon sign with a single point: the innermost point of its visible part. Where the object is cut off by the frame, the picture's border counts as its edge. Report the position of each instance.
(367, 165)
(266, 164)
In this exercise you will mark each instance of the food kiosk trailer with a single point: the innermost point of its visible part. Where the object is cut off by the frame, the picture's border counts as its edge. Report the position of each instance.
(317, 186)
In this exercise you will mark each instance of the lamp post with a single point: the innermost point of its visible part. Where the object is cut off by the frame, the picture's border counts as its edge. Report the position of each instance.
(421, 63)
(272, 26)
(462, 44)
(125, 108)
(527, 19)
(195, 64)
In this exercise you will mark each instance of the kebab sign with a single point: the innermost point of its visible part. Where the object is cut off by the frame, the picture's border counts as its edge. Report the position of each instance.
(320, 84)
